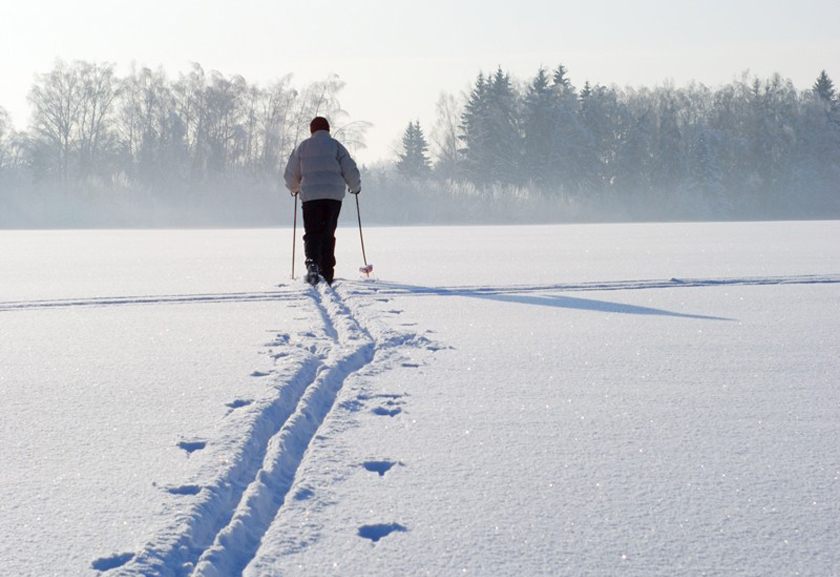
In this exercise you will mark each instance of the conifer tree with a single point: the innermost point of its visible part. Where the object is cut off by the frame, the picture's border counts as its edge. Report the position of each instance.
(539, 110)
(475, 130)
(505, 140)
(570, 136)
(414, 159)
(824, 87)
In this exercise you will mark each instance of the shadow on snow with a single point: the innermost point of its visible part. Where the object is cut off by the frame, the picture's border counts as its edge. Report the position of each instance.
(557, 301)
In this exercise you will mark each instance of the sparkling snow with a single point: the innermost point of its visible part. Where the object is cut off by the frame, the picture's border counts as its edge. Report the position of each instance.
(648, 399)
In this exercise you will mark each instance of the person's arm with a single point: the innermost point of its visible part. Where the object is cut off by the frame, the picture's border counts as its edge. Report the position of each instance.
(349, 170)
(293, 175)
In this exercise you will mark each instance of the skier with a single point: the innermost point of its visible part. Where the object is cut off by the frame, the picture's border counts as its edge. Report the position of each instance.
(321, 169)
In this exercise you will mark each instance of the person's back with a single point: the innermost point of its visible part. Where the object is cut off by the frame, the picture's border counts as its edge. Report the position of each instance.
(320, 169)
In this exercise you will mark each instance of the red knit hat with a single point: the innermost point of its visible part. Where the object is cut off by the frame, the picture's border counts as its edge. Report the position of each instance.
(319, 123)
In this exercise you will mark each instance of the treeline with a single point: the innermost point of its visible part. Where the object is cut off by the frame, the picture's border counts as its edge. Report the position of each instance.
(206, 149)
(148, 148)
(751, 149)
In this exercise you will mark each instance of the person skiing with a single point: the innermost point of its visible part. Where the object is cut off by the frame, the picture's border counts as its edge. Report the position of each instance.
(321, 170)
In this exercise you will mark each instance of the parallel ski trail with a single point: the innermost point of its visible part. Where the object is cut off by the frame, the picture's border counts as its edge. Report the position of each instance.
(174, 551)
(181, 299)
(393, 289)
(220, 532)
(237, 543)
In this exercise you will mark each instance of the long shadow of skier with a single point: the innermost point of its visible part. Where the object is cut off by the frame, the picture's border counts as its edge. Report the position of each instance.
(557, 301)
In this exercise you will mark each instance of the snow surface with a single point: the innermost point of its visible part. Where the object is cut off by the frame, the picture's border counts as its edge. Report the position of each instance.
(554, 400)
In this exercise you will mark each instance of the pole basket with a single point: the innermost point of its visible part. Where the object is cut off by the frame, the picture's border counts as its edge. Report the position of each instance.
(367, 269)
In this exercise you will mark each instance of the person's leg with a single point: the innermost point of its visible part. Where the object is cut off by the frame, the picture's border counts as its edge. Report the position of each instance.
(327, 263)
(314, 225)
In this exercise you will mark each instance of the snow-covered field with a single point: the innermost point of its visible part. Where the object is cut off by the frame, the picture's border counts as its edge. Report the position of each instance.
(503, 401)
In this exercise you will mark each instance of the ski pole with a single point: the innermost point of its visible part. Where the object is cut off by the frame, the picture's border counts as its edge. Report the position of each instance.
(294, 238)
(368, 268)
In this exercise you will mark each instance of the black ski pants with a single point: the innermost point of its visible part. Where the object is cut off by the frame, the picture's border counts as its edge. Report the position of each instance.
(320, 218)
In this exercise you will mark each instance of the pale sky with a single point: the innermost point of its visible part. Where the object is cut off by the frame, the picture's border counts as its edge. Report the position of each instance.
(398, 56)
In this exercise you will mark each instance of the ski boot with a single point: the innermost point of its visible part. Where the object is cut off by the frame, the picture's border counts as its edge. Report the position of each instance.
(312, 272)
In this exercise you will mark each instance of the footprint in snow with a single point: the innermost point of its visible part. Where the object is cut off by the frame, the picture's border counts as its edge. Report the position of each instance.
(380, 467)
(386, 412)
(304, 494)
(377, 532)
(352, 406)
(238, 404)
(192, 446)
(281, 340)
(112, 562)
(184, 490)
(260, 374)
(382, 396)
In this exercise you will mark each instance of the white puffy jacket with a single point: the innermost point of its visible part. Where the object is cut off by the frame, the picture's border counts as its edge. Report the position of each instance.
(321, 168)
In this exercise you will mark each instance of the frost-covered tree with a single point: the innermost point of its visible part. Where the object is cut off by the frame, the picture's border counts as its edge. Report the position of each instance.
(222, 123)
(414, 159)
(539, 125)
(151, 131)
(98, 91)
(631, 174)
(705, 171)
(824, 88)
(447, 155)
(599, 113)
(490, 132)
(56, 99)
(569, 136)
(276, 115)
(72, 121)
(475, 131)
(6, 133)
(505, 141)
(553, 134)
(668, 154)
(774, 104)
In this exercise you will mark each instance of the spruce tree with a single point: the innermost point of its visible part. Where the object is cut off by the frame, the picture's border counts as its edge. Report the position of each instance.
(824, 87)
(474, 131)
(490, 131)
(571, 137)
(414, 160)
(562, 82)
(539, 109)
(504, 137)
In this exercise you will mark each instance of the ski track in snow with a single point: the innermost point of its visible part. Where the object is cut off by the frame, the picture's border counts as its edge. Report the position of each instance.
(220, 531)
(383, 288)
(394, 289)
(95, 302)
